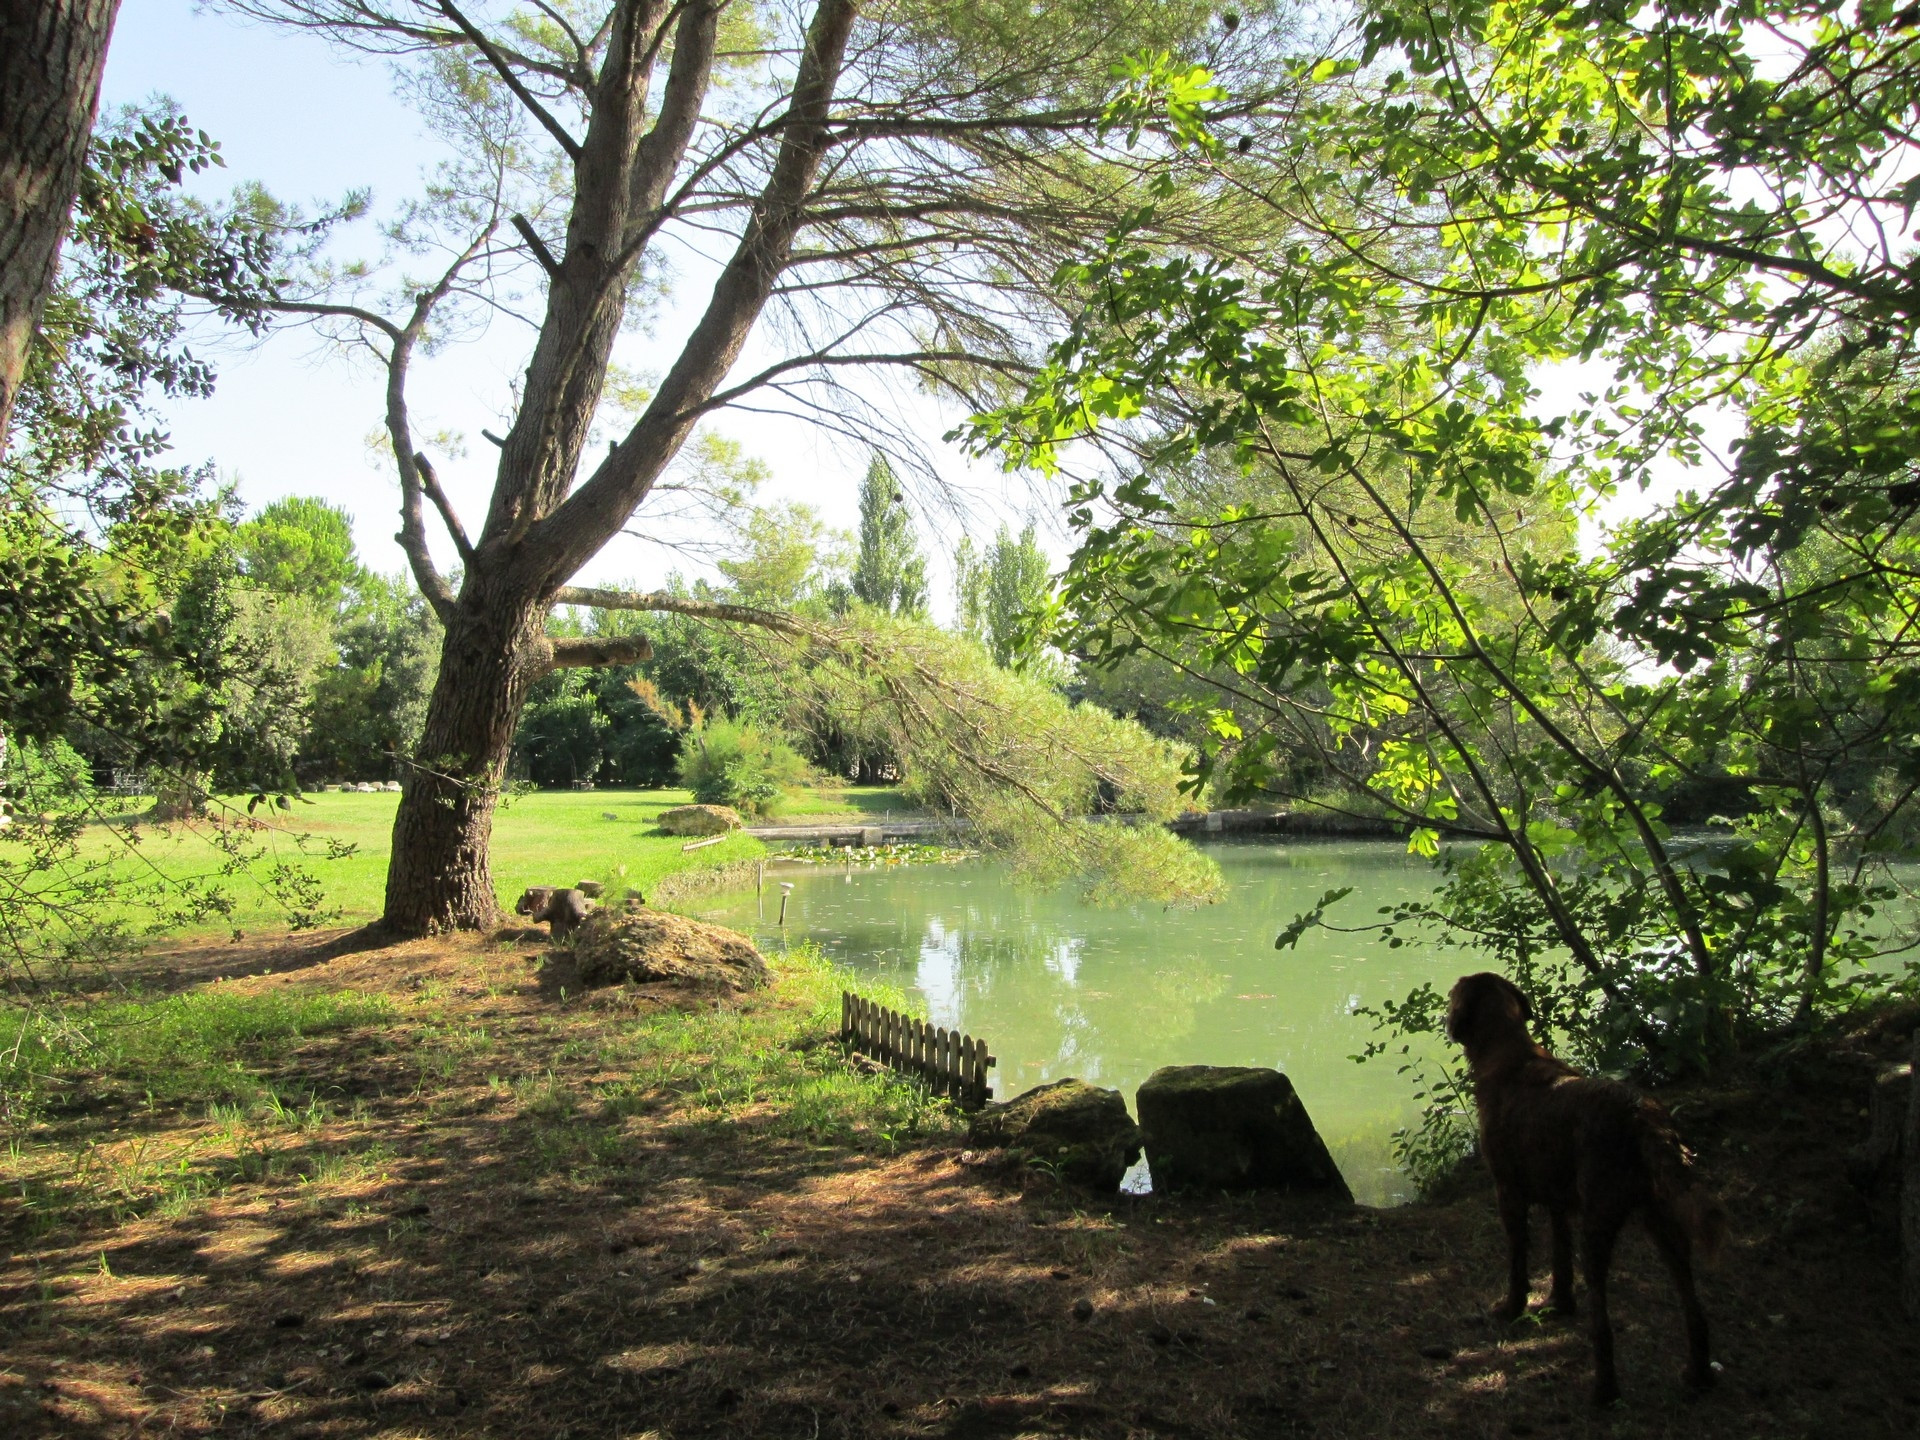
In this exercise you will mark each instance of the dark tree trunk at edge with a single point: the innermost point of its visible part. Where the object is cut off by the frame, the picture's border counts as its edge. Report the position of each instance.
(51, 56)
(1910, 1188)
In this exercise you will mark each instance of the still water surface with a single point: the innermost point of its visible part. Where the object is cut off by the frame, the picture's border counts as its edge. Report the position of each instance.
(1060, 988)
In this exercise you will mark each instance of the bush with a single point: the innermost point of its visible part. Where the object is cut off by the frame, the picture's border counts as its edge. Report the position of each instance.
(726, 763)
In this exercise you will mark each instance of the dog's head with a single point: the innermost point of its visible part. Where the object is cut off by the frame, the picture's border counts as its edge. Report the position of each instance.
(1482, 1008)
(534, 900)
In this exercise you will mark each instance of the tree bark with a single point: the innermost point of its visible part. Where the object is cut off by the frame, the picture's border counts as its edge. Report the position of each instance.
(437, 876)
(51, 55)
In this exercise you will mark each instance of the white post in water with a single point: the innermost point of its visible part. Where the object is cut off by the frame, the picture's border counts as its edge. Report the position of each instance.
(786, 889)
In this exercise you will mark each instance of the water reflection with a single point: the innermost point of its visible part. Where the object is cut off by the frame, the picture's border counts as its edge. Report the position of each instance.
(1059, 988)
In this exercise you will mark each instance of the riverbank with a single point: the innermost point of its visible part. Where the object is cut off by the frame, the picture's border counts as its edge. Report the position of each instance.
(463, 1205)
(910, 827)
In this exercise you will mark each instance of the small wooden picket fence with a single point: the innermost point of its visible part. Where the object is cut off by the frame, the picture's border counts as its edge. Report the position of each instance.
(953, 1064)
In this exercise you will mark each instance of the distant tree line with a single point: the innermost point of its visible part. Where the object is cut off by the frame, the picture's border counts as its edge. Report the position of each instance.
(627, 725)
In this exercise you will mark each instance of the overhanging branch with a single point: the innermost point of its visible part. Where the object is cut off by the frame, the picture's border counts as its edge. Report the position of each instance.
(661, 602)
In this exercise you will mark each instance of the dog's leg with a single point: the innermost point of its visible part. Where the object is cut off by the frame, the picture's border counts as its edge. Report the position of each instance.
(1560, 1299)
(1677, 1250)
(1596, 1258)
(1513, 1218)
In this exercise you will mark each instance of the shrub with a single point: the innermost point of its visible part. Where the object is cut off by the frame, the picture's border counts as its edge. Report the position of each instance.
(727, 763)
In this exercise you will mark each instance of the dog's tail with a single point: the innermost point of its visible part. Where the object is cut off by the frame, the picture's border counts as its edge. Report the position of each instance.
(1676, 1184)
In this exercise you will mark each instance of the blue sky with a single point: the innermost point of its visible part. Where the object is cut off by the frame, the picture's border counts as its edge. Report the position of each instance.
(292, 417)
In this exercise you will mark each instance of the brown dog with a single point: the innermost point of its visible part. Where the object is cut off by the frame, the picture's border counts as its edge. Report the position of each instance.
(1584, 1146)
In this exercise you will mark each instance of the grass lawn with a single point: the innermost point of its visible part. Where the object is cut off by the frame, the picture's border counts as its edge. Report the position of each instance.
(550, 838)
(830, 800)
(553, 837)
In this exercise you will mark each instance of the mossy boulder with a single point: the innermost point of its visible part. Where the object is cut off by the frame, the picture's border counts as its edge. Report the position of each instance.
(1222, 1127)
(643, 946)
(700, 820)
(1080, 1131)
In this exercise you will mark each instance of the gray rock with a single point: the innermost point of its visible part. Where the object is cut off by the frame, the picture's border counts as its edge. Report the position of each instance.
(1220, 1127)
(1080, 1131)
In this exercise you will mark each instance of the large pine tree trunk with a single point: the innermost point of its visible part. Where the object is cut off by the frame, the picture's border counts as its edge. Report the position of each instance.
(51, 56)
(437, 877)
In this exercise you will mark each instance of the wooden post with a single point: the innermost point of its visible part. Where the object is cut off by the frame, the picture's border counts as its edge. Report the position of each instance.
(979, 1095)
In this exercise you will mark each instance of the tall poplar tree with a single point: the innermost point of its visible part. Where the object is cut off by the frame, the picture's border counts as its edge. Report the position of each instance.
(891, 573)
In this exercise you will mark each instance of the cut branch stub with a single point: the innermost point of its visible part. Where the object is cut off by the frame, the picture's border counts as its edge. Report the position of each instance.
(537, 246)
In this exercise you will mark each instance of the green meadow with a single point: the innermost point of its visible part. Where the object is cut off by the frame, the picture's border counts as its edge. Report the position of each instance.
(553, 837)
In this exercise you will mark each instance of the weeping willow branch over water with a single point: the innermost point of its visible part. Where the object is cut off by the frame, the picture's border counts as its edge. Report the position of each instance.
(1063, 791)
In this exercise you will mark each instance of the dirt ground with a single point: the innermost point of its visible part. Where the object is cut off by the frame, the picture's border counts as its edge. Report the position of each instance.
(732, 1282)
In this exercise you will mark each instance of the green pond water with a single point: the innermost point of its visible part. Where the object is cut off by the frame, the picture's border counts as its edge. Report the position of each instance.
(1060, 988)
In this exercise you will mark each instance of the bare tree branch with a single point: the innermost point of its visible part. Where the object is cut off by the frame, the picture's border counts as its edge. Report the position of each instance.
(430, 482)
(505, 70)
(912, 359)
(307, 307)
(661, 602)
(412, 538)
